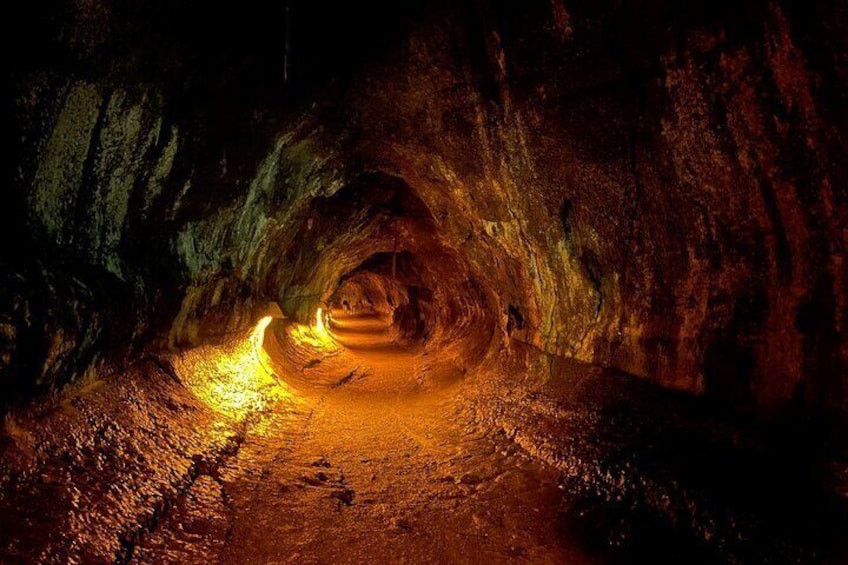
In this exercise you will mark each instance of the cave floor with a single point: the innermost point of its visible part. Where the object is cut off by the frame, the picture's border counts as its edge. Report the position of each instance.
(376, 468)
(377, 453)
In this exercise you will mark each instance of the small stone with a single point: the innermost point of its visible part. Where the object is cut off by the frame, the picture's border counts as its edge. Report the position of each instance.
(311, 481)
(344, 496)
(321, 463)
(469, 479)
(402, 524)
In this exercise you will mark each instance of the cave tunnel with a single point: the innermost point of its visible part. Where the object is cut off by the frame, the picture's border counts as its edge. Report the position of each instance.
(430, 281)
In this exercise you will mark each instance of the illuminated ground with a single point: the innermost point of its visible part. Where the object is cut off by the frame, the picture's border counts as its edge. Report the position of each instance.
(380, 466)
(344, 447)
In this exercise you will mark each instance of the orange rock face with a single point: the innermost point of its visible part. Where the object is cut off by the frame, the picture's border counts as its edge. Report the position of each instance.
(527, 192)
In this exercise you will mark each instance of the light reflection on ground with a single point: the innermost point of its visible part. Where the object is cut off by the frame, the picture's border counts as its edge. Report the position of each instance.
(234, 379)
(315, 335)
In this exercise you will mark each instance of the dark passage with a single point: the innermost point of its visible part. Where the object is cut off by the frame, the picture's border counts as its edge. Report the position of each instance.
(425, 282)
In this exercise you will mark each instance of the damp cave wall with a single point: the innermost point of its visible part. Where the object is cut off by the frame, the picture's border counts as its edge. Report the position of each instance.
(656, 189)
(650, 187)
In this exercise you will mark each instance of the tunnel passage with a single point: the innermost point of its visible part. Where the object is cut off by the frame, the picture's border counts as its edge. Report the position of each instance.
(427, 296)
(435, 281)
(392, 290)
(377, 251)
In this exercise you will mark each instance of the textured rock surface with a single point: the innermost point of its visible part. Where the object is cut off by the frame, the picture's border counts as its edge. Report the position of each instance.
(669, 203)
(669, 206)
(547, 194)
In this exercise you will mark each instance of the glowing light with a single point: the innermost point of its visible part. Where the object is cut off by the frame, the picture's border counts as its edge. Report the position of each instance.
(234, 379)
(316, 335)
(258, 335)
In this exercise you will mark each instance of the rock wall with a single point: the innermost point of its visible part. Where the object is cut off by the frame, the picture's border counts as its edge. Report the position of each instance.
(667, 200)
(654, 188)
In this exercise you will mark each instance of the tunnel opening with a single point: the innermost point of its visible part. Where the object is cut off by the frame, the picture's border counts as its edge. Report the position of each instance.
(398, 312)
(390, 284)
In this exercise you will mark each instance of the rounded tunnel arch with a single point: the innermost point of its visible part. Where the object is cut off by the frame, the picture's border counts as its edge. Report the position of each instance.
(441, 281)
(376, 252)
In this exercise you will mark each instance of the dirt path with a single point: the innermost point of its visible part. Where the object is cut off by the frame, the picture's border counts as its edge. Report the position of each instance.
(377, 469)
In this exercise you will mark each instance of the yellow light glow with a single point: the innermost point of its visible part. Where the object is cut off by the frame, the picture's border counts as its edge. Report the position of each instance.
(316, 335)
(319, 321)
(258, 335)
(233, 379)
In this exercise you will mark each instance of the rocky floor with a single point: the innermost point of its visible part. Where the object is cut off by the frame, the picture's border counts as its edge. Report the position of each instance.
(376, 453)
(378, 468)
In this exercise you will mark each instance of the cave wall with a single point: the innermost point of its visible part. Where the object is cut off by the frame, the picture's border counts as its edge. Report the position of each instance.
(651, 187)
(129, 251)
(150, 179)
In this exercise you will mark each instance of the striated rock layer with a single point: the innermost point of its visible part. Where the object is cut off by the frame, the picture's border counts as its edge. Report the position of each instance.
(656, 189)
